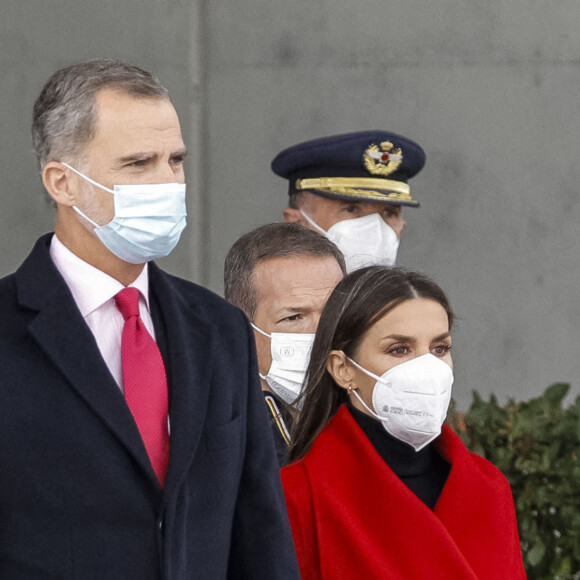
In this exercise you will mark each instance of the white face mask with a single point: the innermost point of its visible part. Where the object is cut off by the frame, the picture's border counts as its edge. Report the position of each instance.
(364, 241)
(411, 399)
(148, 220)
(290, 357)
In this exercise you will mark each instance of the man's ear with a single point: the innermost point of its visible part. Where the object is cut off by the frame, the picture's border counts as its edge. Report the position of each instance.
(58, 180)
(340, 369)
(293, 215)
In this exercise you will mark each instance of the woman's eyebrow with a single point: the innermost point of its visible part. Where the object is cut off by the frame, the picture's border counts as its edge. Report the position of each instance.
(442, 336)
(400, 337)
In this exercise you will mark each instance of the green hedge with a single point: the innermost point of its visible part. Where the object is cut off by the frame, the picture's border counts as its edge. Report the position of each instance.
(536, 444)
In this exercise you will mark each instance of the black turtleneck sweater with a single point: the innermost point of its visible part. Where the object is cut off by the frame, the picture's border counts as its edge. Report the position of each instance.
(423, 472)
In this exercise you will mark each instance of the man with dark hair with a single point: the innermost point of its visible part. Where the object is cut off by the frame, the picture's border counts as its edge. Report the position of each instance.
(134, 439)
(351, 188)
(281, 275)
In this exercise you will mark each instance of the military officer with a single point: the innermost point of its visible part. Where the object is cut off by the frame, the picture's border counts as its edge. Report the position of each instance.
(352, 188)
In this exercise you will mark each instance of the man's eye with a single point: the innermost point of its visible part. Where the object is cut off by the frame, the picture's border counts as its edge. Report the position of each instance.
(391, 213)
(292, 318)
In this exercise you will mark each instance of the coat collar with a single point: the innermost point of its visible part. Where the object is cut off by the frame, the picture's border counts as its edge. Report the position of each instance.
(470, 534)
(60, 331)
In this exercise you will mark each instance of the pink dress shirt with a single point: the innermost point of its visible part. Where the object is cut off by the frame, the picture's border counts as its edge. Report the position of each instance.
(94, 293)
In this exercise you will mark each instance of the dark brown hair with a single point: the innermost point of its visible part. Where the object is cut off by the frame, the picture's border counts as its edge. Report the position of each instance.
(358, 301)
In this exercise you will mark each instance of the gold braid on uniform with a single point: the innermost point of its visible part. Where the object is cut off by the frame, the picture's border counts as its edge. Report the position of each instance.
(278, 418)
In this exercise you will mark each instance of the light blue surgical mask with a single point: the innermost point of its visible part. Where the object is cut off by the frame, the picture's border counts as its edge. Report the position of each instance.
(148, 219)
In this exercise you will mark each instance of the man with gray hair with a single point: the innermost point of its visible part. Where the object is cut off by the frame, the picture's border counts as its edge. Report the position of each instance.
(281, 275)
(134, 442)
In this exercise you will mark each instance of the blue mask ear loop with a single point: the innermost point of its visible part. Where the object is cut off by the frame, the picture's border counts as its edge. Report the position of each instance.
(86, 217)
(92, 182)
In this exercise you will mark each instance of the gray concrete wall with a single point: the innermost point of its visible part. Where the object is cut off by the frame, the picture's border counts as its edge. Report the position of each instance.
(492, 92)
(490, 89)
(36, 38)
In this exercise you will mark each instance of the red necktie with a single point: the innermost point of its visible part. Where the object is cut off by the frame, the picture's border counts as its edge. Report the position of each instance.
(145, 382)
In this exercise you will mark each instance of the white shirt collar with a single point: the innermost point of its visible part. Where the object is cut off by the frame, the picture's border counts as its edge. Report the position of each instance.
(91, 287)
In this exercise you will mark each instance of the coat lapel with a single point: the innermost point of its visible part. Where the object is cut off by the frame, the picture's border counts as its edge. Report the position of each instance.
(188, 357)
(376, 510)
(473, 483)
(60, 331)
(471, 534)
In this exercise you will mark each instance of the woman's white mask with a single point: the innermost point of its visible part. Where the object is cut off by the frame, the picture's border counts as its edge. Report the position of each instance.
(411, 399)
(290, 357)
(364, 241)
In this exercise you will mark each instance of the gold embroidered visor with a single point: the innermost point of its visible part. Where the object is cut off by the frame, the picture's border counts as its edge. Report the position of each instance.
(361, 188)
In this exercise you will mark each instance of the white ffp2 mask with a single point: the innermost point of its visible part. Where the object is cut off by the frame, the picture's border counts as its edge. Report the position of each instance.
(290, 357)
(412, 398)
(364, 241)
(148, 219)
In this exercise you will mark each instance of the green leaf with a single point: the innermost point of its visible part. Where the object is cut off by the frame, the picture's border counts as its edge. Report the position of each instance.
(536, 554)
(565, 568)
(556, 392)
(536, 444)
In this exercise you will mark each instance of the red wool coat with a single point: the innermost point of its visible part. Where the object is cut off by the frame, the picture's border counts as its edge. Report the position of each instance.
(352, 518)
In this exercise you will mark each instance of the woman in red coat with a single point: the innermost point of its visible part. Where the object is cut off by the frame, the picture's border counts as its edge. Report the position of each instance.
(377, 488)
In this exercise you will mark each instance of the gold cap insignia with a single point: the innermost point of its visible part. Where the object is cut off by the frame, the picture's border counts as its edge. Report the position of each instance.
(382, 160)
